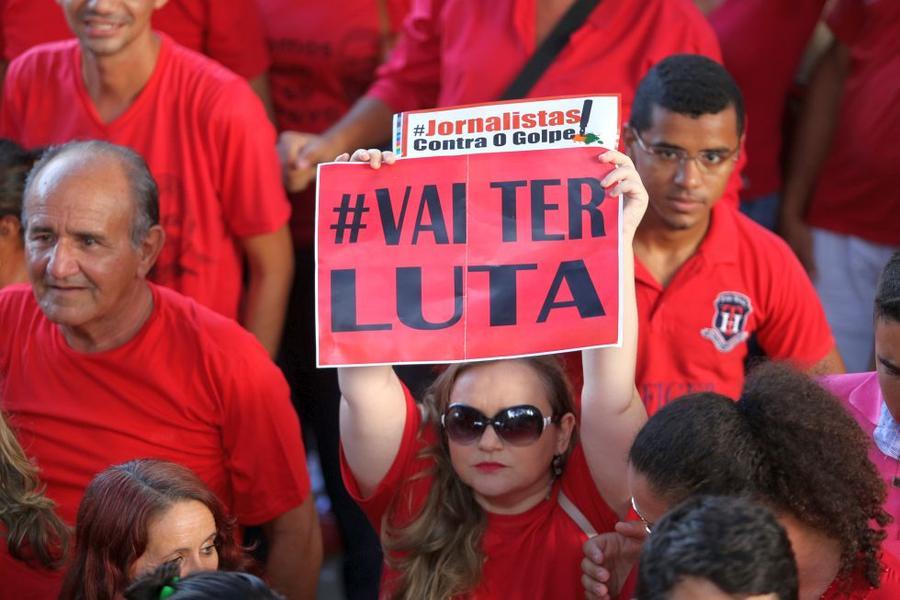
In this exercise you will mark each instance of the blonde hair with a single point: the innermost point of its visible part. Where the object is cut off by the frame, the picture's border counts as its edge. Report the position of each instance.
(34, 533)
(439, 553)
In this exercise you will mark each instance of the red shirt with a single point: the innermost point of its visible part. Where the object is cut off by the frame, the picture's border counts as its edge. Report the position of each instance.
(858, 588)
(205, 136)
(324, 57)
(536, 554)
(861, 395)
(749, 30)
(856, 193)
(207, 26)
(190, 387)
(742, 280)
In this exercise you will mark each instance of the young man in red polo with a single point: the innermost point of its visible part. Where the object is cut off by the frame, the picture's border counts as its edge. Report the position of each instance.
(708, 278)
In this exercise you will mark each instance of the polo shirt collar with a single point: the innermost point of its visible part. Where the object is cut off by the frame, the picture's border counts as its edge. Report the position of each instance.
(887, 434)
(720, 244)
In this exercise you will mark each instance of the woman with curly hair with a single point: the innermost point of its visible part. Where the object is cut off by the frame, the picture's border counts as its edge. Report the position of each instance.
(790, 445)
(140, 514)
(490, 489)
(30, 531)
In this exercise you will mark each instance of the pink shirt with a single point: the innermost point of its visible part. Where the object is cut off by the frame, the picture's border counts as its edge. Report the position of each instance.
(861, 394)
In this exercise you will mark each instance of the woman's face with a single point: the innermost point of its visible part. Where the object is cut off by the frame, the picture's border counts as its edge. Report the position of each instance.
(185, 533)
(649, 506)
(506, 478)
(887, 362)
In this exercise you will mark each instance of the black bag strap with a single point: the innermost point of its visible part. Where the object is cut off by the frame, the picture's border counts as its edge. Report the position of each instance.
(553, 44)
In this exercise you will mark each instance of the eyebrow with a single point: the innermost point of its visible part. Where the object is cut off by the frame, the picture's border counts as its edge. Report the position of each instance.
(668, 146)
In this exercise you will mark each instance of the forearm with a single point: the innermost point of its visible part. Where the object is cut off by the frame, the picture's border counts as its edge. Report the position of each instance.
(815, 129)
(260, 85)
(268, 288)
(295, 555)
(366, 125)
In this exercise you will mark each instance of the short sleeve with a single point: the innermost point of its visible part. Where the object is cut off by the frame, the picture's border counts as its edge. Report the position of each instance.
(847, 20)
(793, 326)
(410, 79)
(246, 54)
(253, 198)
(264, 450)
(400, 478)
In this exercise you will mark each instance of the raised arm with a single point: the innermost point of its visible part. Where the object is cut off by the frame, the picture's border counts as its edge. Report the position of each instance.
(611, 410)
(373, 405)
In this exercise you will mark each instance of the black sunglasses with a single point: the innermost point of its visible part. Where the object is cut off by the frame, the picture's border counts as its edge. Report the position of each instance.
(517, 425)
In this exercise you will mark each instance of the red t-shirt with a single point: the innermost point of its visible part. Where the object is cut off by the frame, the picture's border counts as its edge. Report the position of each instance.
(742, 280)
(858, 587)
(190, 387)
(536, 554)
(324, 57)
(749, 30)
(856, 193)
(205, 136)
(207, 26)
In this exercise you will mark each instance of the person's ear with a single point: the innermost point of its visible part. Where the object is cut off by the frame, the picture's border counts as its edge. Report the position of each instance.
(628, 140)
(150, 248)
(566, 429)
(10, 227)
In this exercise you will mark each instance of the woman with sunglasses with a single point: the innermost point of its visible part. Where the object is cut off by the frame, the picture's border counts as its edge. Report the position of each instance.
(788, 444)
(490, 489)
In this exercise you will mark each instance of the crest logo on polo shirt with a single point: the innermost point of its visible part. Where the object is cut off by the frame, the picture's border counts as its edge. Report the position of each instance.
(732, 310)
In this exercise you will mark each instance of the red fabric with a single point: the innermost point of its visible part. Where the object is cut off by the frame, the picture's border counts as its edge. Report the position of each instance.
(749, 30)
(858, 588)
(228, 31)
(861, 395)
(454, 52)
(536, 554)
(205, 136)
(324, 57)
(856, 193)
(190, 387)
(737, 255)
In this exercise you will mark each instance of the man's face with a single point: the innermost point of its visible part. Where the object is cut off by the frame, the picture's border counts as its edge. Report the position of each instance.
(83, 267)
(683, 191)
(106, 27)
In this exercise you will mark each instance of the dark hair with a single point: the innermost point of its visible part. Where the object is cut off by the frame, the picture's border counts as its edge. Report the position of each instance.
(114, 516)
(731, 542)
(887, 297)
(15, 162)
(144, 190)
(788, 443)
(207, 585)
(687, 84)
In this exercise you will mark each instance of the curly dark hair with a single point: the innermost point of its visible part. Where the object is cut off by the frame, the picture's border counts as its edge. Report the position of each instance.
(686, 84)
(887, 297)
(787, 442)
(729, 541)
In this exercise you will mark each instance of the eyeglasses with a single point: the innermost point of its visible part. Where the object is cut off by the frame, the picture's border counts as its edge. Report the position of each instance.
(648, 525)
(517, 425)
(709, 161)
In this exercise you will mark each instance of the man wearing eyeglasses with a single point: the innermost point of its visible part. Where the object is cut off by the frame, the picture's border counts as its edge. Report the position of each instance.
(708, 279)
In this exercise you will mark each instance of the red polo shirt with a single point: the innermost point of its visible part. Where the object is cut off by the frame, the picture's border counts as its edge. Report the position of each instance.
(207, 26)
(856, 193)
(742, 280)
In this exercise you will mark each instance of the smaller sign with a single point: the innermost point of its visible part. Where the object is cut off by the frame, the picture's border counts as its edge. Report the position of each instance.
(549, 123)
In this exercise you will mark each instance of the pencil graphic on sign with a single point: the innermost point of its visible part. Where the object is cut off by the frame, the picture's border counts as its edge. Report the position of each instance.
(587, 138)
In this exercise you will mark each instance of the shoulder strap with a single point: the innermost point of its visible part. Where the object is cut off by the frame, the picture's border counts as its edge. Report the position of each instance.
(575, 514)
(544, 56)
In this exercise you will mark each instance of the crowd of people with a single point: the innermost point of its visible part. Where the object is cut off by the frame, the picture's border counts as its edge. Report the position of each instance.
(157, 308)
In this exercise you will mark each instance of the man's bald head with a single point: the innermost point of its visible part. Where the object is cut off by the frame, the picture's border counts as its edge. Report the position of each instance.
(142, 188)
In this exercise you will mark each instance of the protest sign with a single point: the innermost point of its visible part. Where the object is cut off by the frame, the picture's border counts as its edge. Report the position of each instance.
(457, 258)
(547, 123)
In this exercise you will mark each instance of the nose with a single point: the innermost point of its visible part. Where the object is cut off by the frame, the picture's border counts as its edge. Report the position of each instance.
(63, 263)
(489, 440)
(689, 175)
